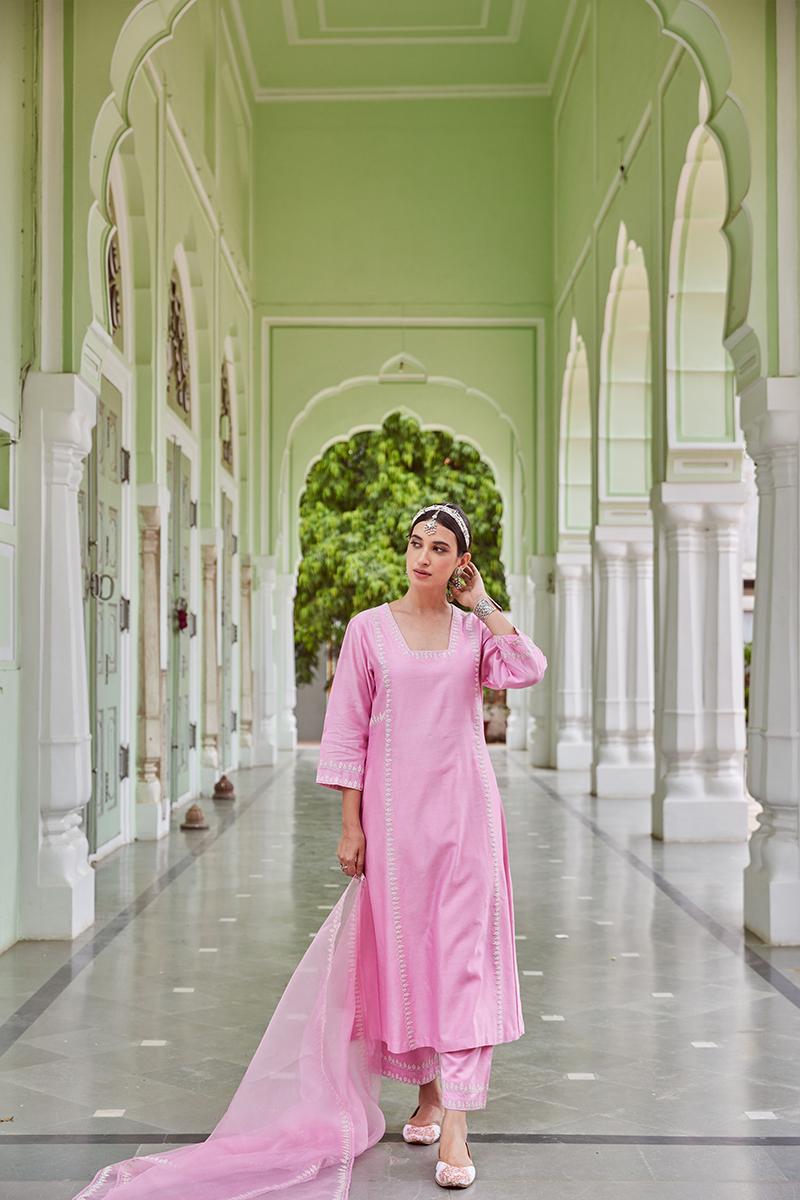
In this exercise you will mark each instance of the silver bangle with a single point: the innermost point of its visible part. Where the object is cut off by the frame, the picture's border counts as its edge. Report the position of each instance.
(485, 607)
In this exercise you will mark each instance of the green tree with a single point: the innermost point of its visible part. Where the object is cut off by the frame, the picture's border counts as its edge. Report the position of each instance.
(354, 516)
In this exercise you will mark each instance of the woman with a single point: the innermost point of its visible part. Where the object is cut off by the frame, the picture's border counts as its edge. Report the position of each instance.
(414, 970)
(422, 819)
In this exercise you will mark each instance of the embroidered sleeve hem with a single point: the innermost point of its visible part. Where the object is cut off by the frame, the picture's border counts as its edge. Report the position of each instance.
(341, 774)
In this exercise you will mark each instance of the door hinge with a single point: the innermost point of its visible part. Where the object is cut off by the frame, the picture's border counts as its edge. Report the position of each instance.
(235, 543)
(124, 614)
(193, 514)
(125, 465)
(234, 634)
(192, 624)
(192, 736)
(234, 722)
(124, 762)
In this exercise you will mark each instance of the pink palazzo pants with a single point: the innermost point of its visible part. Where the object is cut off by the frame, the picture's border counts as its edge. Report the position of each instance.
(465, 1073)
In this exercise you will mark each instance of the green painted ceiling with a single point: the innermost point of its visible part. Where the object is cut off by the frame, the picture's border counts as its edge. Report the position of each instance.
(300, 47)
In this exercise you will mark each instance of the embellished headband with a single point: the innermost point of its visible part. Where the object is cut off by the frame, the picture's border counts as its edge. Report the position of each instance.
(430, 524)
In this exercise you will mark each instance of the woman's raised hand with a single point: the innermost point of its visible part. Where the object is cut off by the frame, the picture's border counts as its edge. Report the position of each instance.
(473, 588)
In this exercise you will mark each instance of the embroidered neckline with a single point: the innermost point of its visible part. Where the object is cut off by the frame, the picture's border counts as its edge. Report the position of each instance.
(401, 641)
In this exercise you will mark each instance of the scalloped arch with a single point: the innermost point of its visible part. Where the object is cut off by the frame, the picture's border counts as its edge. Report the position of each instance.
(509, 479)
(575, 462)
(624, 394)
(690, 23)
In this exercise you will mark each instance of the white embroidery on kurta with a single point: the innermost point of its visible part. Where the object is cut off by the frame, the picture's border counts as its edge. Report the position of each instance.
(396, 1068)
(391, 867)
(477, 729)
(514, 652)
(380, 717)
(401, 641)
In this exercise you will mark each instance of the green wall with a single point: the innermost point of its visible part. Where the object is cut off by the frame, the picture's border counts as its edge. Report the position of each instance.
(17, 163)
(405, 209)
(423, 203)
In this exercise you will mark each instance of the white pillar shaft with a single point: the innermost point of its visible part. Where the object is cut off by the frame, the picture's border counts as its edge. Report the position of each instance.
(516, 698)
(246, 667)
(771, 418)
(573, 709)
(57, 886)
(152, 813)
(623, 680)
(699, 792)
(726, 711)
(287, 693)
(265, 741)
(540, 605)
(642, 669)
(610, 684)
(210, 738)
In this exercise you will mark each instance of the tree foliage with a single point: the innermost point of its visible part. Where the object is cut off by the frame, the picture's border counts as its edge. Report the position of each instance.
(354, 516)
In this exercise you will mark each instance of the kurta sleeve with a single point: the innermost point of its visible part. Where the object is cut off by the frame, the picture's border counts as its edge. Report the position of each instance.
(510, 660)
(345, 732)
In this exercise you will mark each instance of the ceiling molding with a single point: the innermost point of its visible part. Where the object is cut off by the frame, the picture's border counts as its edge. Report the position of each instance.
(515, 18)
(327, 28)
(476, 91)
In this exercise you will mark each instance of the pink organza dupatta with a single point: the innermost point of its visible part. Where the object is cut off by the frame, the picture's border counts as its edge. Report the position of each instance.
(308, 1104)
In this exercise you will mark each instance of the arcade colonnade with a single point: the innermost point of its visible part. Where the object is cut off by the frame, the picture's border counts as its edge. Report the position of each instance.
(198, 321)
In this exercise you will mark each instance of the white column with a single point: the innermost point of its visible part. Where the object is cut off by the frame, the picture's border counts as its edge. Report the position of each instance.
(265, 694)
(771, 420)
(699, 719)
(57, 883)
(541, 589)
(209, 757)
(152, 808)
(725, 736)
(286, 586)
(641, 670)
(610, 748)
(246, 668)
(623, 661)
(516, 698)
(573, 746)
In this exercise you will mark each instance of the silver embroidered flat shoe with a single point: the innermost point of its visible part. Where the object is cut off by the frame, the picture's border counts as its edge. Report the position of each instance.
(424, 1135)
(447, 1175)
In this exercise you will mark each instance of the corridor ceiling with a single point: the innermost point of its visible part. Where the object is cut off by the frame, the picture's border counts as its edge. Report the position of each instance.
(343, 48)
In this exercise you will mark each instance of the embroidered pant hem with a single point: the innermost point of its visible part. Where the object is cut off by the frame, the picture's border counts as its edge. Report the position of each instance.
(465, 1073)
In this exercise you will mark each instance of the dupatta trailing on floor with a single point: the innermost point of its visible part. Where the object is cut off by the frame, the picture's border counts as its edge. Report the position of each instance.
(308, 1104)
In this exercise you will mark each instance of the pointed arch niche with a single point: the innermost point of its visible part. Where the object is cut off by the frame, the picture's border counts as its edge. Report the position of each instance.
(622, 725)
(572, 746)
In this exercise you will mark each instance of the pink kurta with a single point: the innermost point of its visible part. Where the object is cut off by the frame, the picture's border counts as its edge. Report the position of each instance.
(406, 727)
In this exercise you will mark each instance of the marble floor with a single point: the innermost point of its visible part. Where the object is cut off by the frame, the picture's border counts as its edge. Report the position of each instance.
(662, 1052)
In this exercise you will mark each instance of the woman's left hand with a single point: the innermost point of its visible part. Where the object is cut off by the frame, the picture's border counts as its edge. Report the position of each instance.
(473, 588)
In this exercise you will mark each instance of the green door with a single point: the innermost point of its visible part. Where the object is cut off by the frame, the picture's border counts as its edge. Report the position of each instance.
(229, 637)
(105, 613)
(177, 717)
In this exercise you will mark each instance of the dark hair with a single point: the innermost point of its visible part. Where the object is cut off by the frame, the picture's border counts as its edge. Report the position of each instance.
(449, 522)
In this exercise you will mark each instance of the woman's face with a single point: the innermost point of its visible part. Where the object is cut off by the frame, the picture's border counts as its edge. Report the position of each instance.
(431, 558)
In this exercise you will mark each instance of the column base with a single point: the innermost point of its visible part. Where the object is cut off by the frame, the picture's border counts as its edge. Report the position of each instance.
(573, 756)
(699, 819)
(772, 907)
(152, 822)
(623, 779)
(516, 733)
(59, 911)
(287, 732)
(538, 745)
